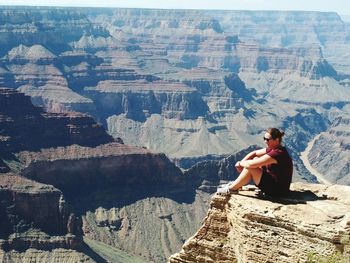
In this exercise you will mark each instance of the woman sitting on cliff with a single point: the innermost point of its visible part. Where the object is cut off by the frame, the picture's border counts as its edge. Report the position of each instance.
(270, 168)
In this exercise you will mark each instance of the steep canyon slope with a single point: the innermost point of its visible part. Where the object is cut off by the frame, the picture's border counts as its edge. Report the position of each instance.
(196, 85)
(189, 83)
(74, 198)
(310, 225)
(69, 192)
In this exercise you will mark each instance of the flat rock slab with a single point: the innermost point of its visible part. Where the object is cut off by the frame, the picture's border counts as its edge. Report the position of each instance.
(313, 219)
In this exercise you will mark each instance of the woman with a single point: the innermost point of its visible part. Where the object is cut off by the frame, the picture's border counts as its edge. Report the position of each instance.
(270, 168)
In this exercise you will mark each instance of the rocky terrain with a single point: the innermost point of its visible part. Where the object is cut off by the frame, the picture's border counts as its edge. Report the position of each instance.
(198, 87)
(119, 192)
(336, 139)
(24, 126)
(70, 192)
(35, 224)
(311, 223)
(170, 80)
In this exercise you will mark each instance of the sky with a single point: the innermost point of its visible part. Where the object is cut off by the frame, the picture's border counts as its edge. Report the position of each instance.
(342, 7)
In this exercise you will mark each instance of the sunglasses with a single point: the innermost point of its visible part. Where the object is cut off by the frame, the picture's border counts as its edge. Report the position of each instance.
(267, 139)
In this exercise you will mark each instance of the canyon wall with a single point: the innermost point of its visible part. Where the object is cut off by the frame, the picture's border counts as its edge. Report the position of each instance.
(74, 192)
(335, 140)
(189, 83)
(196, 85)
(36, 224)
(312, 223)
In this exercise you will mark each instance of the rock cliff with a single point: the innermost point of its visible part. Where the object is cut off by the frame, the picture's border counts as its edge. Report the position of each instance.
(190, 83)
(26, 127)
(34, 202)
(312, 220)
(139, 99)
(120, 191)
(73, 154)
(35, 222)
(334, 167)
(110, 165)
(117, 195)
(171, 80)
(73, 181)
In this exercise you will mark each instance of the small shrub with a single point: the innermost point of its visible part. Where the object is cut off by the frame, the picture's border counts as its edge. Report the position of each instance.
(336, 257)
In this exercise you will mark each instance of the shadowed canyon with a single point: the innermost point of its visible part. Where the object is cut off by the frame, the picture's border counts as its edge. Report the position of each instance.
(117, 126)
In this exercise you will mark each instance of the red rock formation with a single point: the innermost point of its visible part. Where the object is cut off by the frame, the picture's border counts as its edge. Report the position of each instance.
(329, 153)
(89, 176)
(25, 127)
(37, 204)
(111, 164)
(33, 212)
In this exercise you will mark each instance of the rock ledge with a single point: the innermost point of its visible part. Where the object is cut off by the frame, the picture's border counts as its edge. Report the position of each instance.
(244, 228)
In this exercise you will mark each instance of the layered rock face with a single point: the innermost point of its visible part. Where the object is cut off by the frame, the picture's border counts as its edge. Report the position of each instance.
(334, 167)
(288, 29)
(25, 127)
(314, 219)
(82, 184)
(180, 82)
(33, 204)
(35, 223)
(121, 196)
(31, 54)
(121, 191)
(111, 164)
(138, 100)
(171, 80)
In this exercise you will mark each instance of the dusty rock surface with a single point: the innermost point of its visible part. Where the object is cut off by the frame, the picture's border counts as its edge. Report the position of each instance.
(27, 127)
(244, 228)
(37, 205)
(67, 173)
(125, 196)
(330, 153)
(39, 256)
(35, 223)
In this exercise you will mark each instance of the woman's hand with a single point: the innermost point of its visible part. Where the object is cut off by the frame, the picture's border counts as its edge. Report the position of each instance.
(238, 166)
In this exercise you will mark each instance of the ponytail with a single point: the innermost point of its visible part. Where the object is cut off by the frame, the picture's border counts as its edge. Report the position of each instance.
(275, 133)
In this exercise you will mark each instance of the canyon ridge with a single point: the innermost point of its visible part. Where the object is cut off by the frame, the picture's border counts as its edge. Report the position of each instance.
(117, 125)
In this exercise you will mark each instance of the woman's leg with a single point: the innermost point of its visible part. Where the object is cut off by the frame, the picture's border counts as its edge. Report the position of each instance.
(246, 176)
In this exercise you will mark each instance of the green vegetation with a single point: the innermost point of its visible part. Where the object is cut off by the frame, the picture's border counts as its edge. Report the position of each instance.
(336, 257)
(112, 254)
(14, 165)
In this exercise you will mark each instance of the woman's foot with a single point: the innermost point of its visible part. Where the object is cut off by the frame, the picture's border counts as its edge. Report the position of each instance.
(226, 190)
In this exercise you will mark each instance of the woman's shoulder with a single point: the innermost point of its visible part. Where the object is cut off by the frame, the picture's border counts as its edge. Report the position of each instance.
(278, 150)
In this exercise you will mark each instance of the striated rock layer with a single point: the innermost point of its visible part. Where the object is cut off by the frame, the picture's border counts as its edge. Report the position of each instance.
(189, 83)
(120, 191)
(36, 223)
(40, 256)
(26, 127)
(112, 164)
(314, 219)
(76, 175)
(39, 204)
(335, 167)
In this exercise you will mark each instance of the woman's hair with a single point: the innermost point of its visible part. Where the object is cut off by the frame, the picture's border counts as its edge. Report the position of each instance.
(275, 133)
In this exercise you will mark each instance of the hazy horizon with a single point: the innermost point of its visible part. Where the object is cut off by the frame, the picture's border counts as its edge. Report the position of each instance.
(342, 7)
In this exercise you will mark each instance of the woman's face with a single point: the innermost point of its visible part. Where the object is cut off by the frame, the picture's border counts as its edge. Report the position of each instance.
(271, 143)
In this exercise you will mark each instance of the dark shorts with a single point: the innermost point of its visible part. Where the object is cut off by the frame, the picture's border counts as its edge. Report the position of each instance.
(269, 185)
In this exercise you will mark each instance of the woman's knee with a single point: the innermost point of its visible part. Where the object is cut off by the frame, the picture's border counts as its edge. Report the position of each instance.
(256, 174)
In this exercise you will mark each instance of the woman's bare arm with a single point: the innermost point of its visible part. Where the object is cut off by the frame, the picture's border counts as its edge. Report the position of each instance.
(258, 162)
(253, 154)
